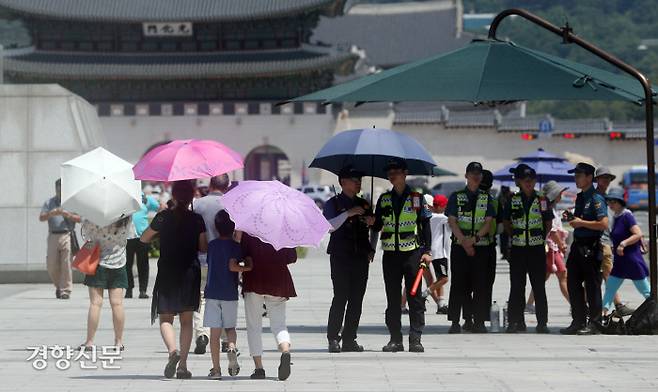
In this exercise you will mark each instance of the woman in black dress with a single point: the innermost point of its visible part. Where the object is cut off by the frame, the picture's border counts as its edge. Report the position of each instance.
(176, 291)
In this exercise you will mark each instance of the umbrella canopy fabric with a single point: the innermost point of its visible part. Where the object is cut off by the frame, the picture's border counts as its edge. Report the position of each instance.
(275, 213)
(187, 160)
(546, 171)
(437, 171)
(486, 70)
(368, 150)
(541, 155)
(100, 187)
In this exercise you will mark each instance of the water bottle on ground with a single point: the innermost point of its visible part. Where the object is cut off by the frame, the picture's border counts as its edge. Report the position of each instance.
(495, 317)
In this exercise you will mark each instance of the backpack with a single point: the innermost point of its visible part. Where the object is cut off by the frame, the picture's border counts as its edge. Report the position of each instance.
(644, 320)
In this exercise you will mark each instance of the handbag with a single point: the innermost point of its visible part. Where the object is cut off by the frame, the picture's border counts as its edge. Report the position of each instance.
(87, 258)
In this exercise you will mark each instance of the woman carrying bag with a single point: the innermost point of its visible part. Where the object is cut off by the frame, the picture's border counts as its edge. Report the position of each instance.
(626, 246)
(110, 275)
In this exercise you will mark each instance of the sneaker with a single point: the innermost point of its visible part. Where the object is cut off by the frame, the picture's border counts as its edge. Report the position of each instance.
(143, 295)
(624, 310)
(442, 309)
(65, 296)
(393, 347)
(258, 374)
(352, 346)
(284, 366)
(58, 294)
(455, 328)
(529, 308)
(170, 369)
(233, 365)
(334, 346)
(215, 374)
(201, 343)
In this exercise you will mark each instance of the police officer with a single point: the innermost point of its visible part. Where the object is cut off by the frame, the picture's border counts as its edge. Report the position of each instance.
(470, 212)
(349, 254)
(589, 220)
(406, 239)
(485, 185)
(528, 220)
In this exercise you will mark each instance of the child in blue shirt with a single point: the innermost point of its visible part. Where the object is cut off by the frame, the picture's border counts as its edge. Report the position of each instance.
(225, 261)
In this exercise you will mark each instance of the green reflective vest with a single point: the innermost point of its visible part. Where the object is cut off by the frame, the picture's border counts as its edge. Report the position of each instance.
(528, 229)
(470, 222)
(401, 230)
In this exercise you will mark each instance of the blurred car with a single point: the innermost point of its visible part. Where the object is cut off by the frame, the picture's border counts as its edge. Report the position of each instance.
(319, 193)
(636, 188)
(447, 188)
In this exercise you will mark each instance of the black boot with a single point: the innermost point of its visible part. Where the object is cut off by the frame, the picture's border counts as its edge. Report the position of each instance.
(392, 347)
(415, 346)
(334, 346)
(352, 346)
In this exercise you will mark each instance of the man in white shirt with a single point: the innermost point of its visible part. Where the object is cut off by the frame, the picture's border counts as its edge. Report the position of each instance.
(441, 243)
(207, 206)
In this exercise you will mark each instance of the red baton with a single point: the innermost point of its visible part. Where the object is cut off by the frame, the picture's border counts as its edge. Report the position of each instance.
(419, 277)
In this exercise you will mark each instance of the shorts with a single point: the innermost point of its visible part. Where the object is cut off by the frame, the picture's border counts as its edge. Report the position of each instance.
(555, 262)
(440, 267)
(220, 314)
(606, 263)
(108, 278)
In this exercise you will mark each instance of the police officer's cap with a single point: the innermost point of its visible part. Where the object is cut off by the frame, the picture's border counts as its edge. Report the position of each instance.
(349, 172)
(487, 180)
(523, 171)
(395, 163)
(474, 167)
(584, 168)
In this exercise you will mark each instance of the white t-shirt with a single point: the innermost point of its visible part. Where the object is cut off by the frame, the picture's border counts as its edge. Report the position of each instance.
(208, 206)
(441, 234)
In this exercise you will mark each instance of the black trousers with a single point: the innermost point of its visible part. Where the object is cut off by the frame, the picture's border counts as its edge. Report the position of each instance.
(584, 266)
(469, 273)
(396, 266)
(349, 276)
(530, 261)
(136, 248)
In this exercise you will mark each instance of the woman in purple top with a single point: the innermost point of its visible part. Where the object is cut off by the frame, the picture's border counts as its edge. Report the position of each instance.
(626, 241)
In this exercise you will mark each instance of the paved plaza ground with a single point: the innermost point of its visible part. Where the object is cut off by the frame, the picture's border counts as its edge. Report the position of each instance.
(31, 316)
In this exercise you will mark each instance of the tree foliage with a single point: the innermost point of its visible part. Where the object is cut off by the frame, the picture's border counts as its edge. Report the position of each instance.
(617, 26)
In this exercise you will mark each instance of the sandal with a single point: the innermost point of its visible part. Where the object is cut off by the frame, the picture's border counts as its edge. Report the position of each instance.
(215, 374)
(233, 365)
(170, 369)
(84, 348)
(183, 374)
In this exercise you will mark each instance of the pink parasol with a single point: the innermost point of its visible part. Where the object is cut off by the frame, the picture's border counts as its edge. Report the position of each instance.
(186, 160)
(275, 213)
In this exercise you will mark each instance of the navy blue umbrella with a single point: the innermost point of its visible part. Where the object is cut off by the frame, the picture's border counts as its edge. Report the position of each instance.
(368, 150)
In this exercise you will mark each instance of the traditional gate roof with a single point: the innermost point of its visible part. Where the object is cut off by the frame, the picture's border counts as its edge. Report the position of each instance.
(169, 10)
